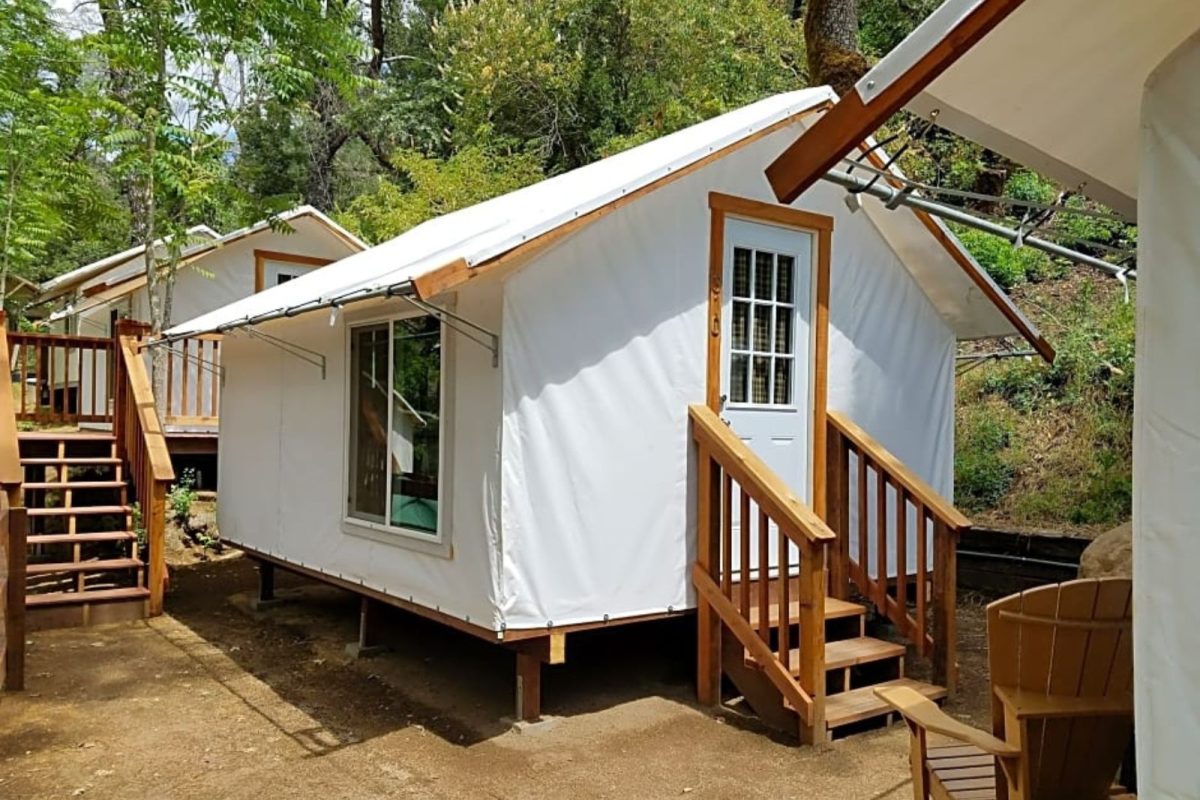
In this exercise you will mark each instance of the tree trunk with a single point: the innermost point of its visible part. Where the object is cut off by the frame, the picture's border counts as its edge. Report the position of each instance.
(831, 39)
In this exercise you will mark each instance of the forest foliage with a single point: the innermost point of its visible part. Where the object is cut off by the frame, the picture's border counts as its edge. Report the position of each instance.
(134, 119)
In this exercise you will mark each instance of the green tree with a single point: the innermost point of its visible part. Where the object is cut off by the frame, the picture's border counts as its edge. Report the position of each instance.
(45, 120)
(181, 75)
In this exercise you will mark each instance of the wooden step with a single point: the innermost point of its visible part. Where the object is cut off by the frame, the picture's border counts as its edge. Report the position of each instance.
(834, 609)
(70, 461)
(97, 596)
(65, 436)
(80, 538)
(101, 565)
(845, 653)
(860, 704)
(78, 511)
(74, 485)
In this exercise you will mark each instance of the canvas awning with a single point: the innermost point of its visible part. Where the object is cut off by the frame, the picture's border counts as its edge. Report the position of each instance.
(1103, 96)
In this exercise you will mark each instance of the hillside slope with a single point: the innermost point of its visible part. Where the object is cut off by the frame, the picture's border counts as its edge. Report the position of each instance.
(1049, 447)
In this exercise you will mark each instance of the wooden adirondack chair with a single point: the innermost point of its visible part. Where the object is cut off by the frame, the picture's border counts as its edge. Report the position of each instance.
(1062, 708)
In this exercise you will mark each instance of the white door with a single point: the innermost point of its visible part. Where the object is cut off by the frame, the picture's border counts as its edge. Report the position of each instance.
(766, 346)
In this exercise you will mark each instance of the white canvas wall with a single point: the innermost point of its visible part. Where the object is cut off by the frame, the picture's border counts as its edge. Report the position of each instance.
(282, 463)
(604, 348)
(1166, 444)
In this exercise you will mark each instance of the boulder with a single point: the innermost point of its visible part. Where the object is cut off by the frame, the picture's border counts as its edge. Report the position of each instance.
(1110, 555)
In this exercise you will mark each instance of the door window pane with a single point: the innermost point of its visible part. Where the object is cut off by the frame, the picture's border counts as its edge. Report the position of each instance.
(783, 329)
(762, 329)
(783, 381)
(368, 421)
(416, 411)
(741, 272)
(760, 380)
(741, 326)
(738, 368)
(783, 279)
(764, 275)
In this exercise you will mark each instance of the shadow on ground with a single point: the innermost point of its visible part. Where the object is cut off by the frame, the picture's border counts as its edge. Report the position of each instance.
(448, 682)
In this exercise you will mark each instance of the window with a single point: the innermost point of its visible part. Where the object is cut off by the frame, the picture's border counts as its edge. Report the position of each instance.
(395, 424)
(762, 346)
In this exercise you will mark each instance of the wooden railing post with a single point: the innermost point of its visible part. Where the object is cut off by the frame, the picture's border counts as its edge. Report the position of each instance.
(12, 595)
(837, 513)
(812, 639)
(945, 606)
(708, 520)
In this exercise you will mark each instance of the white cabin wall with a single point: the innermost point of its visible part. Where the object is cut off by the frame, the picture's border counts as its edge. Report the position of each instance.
(604, 346)
(282, 463)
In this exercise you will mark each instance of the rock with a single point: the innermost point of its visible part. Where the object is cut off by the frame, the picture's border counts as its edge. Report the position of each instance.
(1110, 555)
(203, 518)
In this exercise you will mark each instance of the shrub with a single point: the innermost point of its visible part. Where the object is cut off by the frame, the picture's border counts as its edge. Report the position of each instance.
(982, 473)
(181, 496)
(1009, 266)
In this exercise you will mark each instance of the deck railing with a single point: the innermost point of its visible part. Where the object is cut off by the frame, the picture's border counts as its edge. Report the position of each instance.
(143, 447)
(751, 528)
(193, 382)
(877, 506)
(61, 379)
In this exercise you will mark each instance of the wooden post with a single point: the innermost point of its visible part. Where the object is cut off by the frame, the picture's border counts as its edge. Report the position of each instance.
(367, 644)
(945, 600)
(154, 517)
(812, 639)
(12, 586)
(529, 687)
(837, 514)
(266, 581)
(708, 520)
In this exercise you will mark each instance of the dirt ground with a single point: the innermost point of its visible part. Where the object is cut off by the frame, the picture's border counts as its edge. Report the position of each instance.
(215, 700)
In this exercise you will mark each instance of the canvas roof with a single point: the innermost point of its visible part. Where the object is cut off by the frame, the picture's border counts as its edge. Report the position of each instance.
(497, 227)
(120, 275)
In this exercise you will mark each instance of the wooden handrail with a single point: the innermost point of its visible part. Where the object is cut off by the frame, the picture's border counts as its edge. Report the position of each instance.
(742, 505)
(143, 446)
(921, 600)
(753, 474)
(899, 472)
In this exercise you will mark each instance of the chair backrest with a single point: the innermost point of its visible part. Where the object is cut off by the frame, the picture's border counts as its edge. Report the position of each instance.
(1067, 640)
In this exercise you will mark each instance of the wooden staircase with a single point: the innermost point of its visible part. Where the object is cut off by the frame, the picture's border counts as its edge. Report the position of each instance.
(85, 562)
(76, 494)
(855, 664)
(773, 581)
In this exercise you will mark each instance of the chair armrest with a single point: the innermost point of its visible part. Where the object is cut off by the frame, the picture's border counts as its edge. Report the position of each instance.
(1024, 705)
(924, 713)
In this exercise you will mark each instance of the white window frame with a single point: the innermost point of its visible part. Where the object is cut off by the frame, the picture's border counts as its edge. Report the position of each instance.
(774, 305)
(411, 538)
(273, 269)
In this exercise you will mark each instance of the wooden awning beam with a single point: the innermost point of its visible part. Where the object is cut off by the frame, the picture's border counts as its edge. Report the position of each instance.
(851, 120)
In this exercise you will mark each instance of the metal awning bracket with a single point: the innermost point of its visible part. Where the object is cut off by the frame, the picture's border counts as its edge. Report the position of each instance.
(292, 349)
(473, 331)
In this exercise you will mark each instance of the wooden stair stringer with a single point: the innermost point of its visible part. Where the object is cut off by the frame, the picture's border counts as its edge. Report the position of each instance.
(763, 697)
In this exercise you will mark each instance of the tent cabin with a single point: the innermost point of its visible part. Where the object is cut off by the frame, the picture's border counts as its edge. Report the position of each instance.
(489, 420)
(1102, 96)
(69, 378)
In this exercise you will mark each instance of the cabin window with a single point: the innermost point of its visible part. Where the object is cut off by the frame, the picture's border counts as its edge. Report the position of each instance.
(395, 424)
(761, 347)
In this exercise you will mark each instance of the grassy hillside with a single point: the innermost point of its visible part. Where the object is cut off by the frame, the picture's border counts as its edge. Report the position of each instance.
(1049, 447)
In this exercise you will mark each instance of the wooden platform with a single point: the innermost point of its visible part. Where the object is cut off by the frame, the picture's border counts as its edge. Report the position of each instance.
(857, 705)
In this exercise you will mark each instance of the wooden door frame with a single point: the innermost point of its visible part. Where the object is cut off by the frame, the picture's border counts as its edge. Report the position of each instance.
(261, 257)
(722, 206)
